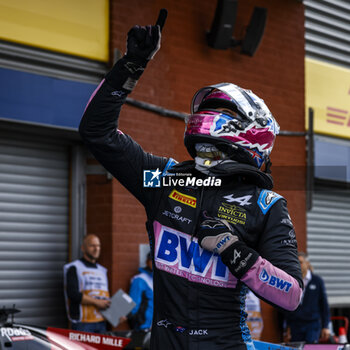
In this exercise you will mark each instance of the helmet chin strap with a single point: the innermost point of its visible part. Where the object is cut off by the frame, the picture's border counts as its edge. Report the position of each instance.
(205, 165)
(208, 156)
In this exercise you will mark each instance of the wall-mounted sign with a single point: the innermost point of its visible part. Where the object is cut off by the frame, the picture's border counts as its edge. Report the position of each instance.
(327, 91)
(76, 27)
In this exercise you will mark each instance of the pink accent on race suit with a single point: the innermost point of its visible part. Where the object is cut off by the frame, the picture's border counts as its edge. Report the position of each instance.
(204, 123)
(177, 254)
(273, 284)
(173, 255)
(94, 93)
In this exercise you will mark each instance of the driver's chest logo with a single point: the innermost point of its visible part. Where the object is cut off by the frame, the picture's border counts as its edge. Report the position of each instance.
(232, 213)
(178, 254)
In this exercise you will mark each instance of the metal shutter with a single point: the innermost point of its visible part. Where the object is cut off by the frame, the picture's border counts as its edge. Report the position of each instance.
(328, 241)
(49, 63)
(34, 225)
(327, 30)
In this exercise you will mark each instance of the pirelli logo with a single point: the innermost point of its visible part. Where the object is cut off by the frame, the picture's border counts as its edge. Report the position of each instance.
(183, 198)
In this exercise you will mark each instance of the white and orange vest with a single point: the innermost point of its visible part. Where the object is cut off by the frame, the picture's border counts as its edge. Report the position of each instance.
(92, 282)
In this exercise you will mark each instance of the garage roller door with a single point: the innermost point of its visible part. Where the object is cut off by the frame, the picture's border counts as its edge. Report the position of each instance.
(328, 241)
(34, 215)
(327, 31)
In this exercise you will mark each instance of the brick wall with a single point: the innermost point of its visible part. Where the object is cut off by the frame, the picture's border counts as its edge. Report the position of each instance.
(184, 64)
(99, 214)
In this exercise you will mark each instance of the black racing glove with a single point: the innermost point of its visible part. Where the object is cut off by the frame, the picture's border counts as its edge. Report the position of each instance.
(142, 44)
(217, 235)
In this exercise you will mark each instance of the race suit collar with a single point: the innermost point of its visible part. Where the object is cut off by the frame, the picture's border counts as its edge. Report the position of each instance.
(229, 169)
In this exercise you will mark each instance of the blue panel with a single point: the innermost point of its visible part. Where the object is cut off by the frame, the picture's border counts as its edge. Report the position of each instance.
(260, 345)
(332, 160)
(267, 199)
(36, 98)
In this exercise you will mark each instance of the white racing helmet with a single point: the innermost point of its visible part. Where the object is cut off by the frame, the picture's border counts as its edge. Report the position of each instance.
(233, 119)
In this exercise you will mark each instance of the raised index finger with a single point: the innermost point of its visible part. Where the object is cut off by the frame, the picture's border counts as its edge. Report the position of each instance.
(163, 13)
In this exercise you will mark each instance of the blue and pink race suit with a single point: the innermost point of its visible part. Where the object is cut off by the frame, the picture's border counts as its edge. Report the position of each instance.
(198, 302)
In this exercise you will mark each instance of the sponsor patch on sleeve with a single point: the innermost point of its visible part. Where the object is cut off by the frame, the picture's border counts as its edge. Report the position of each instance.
(171, 162)
(274, 281)
(267, 199)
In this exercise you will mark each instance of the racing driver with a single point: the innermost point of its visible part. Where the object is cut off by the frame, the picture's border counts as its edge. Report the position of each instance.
(204, 264)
